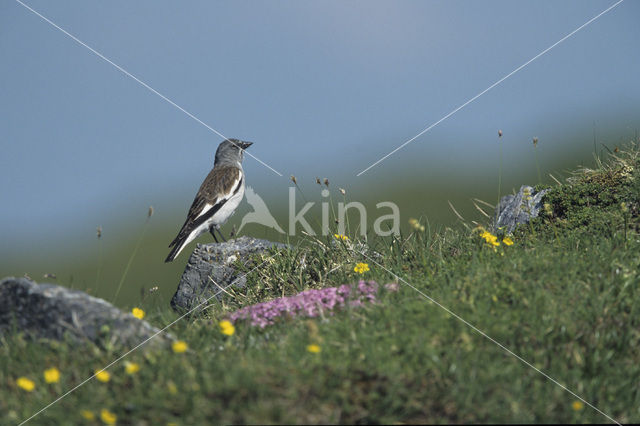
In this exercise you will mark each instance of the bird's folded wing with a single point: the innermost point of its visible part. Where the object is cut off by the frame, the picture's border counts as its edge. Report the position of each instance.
(221, 184)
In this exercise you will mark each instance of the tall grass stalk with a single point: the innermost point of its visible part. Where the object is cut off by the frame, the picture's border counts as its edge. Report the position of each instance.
(100, 259)
(499, 175)
(595, 147)
(133, 255)
(295, 182)
(535, 154)
(333, 211)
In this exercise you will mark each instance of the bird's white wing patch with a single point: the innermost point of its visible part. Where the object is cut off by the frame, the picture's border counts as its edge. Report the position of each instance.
(205, 209)
(234, 187)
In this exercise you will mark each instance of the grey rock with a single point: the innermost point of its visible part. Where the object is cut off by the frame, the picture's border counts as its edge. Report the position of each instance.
(209, 270)
(53, 312)
(518, 209)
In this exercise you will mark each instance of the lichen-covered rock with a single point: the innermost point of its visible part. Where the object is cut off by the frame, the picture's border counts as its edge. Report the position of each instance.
(55, 312)
(210, 269)
(518, 209)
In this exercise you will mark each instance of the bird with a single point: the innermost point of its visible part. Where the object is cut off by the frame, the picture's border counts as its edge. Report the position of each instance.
(218, 196)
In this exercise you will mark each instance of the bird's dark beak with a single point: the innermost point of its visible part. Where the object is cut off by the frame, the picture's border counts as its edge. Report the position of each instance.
(245, 145)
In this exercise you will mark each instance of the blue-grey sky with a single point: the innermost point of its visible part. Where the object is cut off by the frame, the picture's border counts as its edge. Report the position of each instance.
(322, 88)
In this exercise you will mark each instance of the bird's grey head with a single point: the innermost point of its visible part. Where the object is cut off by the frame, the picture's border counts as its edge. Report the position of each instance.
(231, 151)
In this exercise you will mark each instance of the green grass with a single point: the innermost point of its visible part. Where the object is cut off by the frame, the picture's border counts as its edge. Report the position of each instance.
(564, 297)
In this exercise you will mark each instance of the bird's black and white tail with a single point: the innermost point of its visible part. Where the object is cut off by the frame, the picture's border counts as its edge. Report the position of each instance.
(178, 245)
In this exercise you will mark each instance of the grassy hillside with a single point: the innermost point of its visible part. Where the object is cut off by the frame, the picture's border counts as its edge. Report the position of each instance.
(564, 297)
(80, 260)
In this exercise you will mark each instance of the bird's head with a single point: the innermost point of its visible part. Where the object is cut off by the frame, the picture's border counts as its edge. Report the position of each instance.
(231, 151)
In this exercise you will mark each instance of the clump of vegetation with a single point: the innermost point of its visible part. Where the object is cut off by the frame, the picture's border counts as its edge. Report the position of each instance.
(311, 303)
(562, 294)
(605, 198)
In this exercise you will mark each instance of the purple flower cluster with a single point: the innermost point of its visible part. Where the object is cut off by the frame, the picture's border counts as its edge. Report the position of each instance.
(310, 303)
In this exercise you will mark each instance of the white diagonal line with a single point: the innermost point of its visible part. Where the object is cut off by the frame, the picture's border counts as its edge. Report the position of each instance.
(142, 83)
(492, 340)
(144, 341)
(492, 86)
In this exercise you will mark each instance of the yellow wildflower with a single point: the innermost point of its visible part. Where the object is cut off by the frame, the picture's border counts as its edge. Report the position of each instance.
(416, 224)
(577, 405)
(172, 388)
(25, 384)
(227, 328)
(131, 367)
(138, 313)
(361, 268)
(52, 375)
(103, 376)
(507, 241)
(88, 415)
(179, 346)
(108, 417)
(490, 238)
(314, 349)
(341, 237)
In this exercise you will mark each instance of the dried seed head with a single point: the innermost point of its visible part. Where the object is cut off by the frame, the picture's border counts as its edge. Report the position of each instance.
(150, 212)
(293, 179)
(326, 182)
(337, 221)
(318, 181)
(99, 231)
(499, 133)
(535, 142)
(342, 191)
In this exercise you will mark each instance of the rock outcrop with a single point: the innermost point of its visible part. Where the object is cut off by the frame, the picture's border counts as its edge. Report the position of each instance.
(210, 270)
(55, 312)
(518, 209)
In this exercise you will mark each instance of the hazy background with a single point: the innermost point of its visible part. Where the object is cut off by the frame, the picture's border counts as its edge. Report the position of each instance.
(322, 88)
